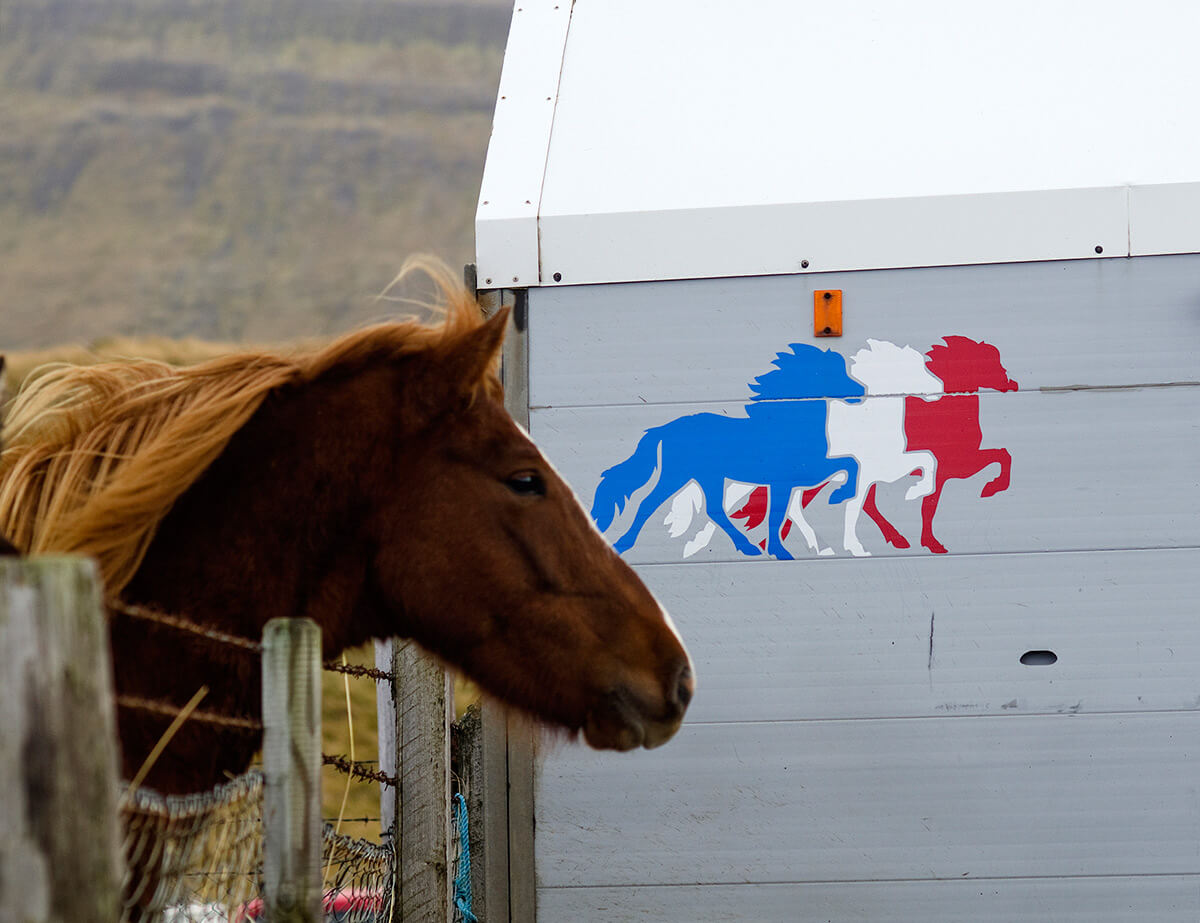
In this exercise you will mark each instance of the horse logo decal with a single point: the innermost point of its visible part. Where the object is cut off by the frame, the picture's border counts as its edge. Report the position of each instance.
(894, 414)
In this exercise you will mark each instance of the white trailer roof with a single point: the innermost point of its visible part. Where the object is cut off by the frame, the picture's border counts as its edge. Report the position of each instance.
(640, 140)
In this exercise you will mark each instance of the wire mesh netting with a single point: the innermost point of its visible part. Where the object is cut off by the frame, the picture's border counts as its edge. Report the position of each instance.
(198, 855)
(198, 859)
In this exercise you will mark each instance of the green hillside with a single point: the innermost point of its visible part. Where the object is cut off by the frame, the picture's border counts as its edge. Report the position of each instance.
(231, 170)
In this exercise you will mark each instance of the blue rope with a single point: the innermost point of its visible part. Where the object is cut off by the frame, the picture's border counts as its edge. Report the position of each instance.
(462, 878)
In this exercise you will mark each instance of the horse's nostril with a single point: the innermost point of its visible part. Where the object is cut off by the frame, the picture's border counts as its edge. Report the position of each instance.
(685, 687)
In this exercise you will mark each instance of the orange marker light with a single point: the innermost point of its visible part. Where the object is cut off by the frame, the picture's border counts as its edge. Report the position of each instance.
(827, 312)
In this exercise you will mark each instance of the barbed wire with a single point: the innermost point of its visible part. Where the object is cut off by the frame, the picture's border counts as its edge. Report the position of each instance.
(224, 637)
(182, 624)
(340, 763)
(157, 707)
(351, 669)
(352, 820)
(358, 770)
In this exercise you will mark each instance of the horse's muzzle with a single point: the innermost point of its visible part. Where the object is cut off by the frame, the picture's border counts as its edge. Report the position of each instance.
(623, 720)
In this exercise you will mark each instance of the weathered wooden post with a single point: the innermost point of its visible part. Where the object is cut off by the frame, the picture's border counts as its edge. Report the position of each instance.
(59, 842)
(424, 701)
(385, 712)
(292, 771)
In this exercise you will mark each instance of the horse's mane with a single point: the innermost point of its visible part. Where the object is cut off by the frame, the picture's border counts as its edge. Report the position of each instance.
(95, 456)
(805, 372)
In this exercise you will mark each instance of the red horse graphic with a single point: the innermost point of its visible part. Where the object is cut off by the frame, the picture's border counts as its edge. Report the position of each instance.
(949, 428)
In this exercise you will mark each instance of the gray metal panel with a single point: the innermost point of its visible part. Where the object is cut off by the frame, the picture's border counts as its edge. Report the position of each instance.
(1095, 322)
(908, 637)
(1083, 466)
(894, 799)
(1162, 899)
(865, 743)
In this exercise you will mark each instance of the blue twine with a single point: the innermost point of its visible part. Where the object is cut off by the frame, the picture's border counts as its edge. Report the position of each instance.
(462, 878)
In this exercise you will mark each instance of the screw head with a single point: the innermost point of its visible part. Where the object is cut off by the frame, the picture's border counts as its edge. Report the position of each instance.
(1099, 249)
(804, 264)
(558, 277)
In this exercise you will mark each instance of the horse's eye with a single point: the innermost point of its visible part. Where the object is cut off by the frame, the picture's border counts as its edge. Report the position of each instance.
(527, 484)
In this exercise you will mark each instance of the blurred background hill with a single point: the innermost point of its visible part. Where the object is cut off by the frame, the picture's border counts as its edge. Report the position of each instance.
(231, 170)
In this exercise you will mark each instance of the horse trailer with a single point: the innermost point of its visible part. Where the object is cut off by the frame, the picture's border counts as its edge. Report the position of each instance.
(868, 333)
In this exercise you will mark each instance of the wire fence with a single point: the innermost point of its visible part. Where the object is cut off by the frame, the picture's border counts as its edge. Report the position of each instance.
(192, 857)
(202, 857)
(199, 858)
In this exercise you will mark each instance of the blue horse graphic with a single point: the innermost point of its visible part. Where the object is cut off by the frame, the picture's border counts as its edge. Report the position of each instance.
(781, 443)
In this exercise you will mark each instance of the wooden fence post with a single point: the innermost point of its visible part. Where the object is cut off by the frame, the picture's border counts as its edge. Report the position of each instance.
(385, 712)
(292, 771)
(59, 841)
(424, 712)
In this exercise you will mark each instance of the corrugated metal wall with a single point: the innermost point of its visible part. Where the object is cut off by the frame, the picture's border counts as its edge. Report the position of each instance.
(866, 743)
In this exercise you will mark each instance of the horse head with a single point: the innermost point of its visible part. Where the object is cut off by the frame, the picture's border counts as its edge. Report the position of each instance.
(484, 556)
(966, 365)
(886, 368)
(807, 372)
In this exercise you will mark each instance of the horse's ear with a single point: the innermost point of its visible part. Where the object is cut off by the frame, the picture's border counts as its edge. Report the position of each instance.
(476, 352)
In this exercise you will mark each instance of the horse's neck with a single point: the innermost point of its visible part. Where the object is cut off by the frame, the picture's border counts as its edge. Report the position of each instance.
(272, 528)
(955, 379)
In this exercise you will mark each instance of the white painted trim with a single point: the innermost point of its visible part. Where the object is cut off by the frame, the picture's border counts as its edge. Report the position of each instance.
(1163, 219)
(506, 230)
(832, 236)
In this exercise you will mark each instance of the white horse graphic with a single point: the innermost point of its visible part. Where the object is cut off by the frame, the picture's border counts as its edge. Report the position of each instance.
(873, 432)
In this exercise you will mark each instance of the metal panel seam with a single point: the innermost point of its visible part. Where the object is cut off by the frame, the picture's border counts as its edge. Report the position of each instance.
(550, 138)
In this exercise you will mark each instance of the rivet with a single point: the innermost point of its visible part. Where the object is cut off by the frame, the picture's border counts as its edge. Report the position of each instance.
(558, 277)
(515, 279)
(1099, 249)
(827, 295)
(487, 281)
(803, 263)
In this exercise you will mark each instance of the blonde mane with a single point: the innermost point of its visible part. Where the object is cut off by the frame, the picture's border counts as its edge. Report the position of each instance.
(95, 456)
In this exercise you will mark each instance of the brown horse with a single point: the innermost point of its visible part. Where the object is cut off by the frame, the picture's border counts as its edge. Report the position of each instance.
(376, 486)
